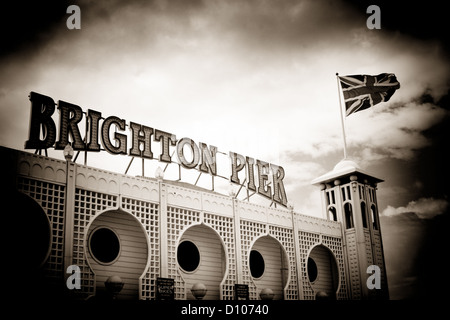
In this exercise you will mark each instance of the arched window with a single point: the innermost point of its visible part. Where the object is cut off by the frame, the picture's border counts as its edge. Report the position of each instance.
(363, 214)
(332, 215)
(373, 211)
(312, 270)
(257, 264)
(348, 216)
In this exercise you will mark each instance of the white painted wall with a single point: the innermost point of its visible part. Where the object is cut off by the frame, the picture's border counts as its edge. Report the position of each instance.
(326, 270)
(274, 277)
(211, 269)
(133, 256)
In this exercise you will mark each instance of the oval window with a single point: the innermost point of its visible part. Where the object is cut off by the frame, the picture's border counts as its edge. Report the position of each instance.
(104, 245)
(188, 256)
(257, 264)
(312, 270)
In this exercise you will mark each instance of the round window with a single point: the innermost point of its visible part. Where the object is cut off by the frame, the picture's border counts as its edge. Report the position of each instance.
(312, 270)
(257, 264)
(104, 245)
(188, 256)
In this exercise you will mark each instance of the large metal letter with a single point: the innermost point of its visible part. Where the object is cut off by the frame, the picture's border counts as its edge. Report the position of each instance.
(93, 118)
(279, 193)
(166, 137)
(195, 153)
(42, 109)
(121, 138)
(209, 163)
(70, 116)
(137, 138)
(237, 164)
(263, 170)
(251, 174)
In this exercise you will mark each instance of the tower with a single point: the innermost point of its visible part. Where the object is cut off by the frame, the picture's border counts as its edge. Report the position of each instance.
(348, 196)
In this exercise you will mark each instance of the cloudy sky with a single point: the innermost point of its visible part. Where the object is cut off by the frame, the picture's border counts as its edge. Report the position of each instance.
(256, 78)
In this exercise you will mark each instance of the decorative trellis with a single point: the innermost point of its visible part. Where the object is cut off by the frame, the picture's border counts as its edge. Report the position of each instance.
(307, 241)
(87, 204)
(50, 197)
(177, 220)
(285, 236)
(147, 213)
(225, 227)
(44, 180)
(249, 232)
(335, 245)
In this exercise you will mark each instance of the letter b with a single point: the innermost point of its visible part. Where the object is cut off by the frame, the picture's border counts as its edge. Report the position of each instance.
(42, 109)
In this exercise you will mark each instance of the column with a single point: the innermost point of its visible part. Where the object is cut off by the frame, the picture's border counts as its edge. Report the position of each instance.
(237, 240)
(69, 208)
(163, 248)
(298, 261)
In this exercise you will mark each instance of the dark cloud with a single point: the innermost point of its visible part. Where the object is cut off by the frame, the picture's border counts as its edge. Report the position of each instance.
(276, 25)
(402, 236)
(432, 162)
(25, 24)
(432, 262)
(414, 240)
(426, 21)
(269, 24)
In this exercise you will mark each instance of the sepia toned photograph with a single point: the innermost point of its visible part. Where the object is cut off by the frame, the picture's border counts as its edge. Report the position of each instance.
(222, 156)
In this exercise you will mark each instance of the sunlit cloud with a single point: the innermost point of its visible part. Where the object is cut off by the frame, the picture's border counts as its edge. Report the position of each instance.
(424, 208)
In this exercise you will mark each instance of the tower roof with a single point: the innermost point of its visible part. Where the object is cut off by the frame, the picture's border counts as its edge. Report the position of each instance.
(345, 168)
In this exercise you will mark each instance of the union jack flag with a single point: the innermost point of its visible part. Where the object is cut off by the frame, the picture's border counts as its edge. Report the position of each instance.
(364, 91)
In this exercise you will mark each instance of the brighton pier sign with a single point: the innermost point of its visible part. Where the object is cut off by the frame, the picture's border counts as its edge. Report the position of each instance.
(113, 134)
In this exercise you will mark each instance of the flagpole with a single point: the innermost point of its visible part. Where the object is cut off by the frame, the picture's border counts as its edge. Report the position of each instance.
(342, 117)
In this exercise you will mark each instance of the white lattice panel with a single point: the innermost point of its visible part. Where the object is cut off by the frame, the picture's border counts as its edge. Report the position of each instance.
(43, 179)
(178, 219)
(147, 214)
(249, 232)
(307, 241)
(335, 245)
(87, 205)
(286, 238)
(51, 197)
(224, 226)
